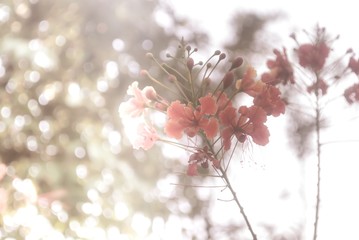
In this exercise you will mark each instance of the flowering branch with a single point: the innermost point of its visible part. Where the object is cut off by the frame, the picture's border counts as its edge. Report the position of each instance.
(203, 109)
(318, 77)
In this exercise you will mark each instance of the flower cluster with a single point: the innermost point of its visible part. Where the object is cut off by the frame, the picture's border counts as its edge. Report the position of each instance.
(317, 76)
(203, 108)
(312, 57)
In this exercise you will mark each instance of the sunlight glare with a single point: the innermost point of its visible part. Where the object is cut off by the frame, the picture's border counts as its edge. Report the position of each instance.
(121, 211)
(141, 224)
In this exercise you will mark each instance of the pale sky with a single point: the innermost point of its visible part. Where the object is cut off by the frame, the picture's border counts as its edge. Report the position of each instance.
(339, 17)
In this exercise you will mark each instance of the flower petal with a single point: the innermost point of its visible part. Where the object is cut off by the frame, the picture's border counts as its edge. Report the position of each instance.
(208, 105)
(211, 128)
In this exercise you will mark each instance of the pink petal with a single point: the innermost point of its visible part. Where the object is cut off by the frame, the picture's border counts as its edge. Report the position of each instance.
(174, 129)
(211, 129)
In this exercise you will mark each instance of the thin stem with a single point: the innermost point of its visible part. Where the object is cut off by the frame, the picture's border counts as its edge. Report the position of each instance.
(317, 128)
(223, 174)
(225, 177)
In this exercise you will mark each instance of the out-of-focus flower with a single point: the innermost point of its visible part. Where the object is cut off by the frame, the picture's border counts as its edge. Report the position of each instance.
(354, 65)
(248, 84)
(313, 56)
(141, 99)
(145, 137)
(281, 70)
(269, 99)
(352, 94)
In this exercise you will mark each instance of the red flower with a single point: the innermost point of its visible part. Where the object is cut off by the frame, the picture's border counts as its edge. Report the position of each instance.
(269, 99)
(313, 56)
(223, 101)
(182, 118)
(352, 94)
(249, 122)
(202, 157)
(354, 65)
(281, 70)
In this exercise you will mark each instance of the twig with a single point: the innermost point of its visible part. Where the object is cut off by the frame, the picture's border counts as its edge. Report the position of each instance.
(235, 198)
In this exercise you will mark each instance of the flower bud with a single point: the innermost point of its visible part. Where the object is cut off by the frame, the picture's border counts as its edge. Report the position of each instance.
(149, 55)
(150, 93)
(190, 63)
(143, 72)
(236, 63)
(222, 56)
(217, 52)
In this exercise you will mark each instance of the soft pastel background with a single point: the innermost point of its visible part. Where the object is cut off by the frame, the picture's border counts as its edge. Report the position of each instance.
(71, 172)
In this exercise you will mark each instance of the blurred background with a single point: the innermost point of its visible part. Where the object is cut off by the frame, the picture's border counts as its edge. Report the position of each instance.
(68, 170)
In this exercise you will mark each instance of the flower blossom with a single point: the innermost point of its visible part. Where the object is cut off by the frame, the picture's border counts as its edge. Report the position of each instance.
(352, 94)
(145, 137)
(313, 55)
(354, 65)
(269, 100)
(249, 122)
(248, 84)
(141, 99)
(190, 120)
(202, 157)
(281, 70)
(264, 95)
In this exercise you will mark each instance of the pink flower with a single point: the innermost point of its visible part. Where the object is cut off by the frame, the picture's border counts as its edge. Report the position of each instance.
(281, 70)
(354, 65)
(145, 138)
(189, 120)
(135, 106)
(248, 84)
(352, 94)
(313, 55)
(269, 100)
